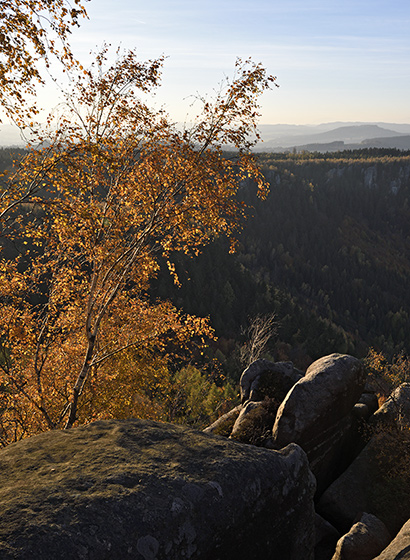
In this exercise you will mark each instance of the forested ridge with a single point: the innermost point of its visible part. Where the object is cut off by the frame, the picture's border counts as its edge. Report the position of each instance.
(328, 251)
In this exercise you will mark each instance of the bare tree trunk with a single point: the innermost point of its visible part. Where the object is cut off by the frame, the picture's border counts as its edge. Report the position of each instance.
(261, 329)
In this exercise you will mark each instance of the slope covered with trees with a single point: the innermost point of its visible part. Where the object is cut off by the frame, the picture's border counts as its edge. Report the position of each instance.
(328, 251)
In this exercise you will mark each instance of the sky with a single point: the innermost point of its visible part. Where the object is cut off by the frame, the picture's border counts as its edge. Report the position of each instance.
(334, 60)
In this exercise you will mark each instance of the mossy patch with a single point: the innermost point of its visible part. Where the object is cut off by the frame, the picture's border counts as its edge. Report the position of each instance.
(105, 490)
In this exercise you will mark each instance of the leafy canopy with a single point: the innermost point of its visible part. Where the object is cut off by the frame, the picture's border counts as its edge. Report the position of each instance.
(31, 30)
(116, 189)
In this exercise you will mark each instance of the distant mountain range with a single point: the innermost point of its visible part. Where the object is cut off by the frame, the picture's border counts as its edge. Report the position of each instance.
(327, 137)
(334, 136)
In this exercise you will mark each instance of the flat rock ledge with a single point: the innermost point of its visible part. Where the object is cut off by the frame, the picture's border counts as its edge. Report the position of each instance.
(143, 490)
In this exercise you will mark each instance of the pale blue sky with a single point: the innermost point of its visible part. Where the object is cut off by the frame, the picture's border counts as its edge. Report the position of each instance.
(335, 60)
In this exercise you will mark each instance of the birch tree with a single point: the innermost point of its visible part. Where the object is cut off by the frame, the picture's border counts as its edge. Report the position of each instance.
(119, 189)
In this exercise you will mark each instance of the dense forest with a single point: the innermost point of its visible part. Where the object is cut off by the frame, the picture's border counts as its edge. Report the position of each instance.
(328, 252)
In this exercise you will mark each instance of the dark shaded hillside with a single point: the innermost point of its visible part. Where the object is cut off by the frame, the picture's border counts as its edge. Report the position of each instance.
(328, 251)
(8, 156)
(340, 239)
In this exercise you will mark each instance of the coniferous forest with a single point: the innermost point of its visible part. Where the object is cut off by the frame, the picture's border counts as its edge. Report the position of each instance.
(328, 252)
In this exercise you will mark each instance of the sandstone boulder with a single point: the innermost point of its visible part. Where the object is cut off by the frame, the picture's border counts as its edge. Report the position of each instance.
(268, 379)
(149, 491)
(361, 411)
(224, 424)
(317, 413)
(255, 421)
(399, 548)
(365, 540)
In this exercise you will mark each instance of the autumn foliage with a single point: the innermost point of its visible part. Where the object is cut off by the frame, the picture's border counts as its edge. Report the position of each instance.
(386, 375)
(115, 190)
(30, 31)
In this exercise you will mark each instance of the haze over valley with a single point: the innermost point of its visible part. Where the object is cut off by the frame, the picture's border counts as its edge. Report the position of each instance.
(324, 137)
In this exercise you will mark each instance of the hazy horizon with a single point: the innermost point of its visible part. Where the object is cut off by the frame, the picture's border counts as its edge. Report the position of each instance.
(10, 135)
(334, 62)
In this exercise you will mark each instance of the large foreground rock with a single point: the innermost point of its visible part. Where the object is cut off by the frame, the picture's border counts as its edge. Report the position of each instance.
(142, 490)
(317, 413)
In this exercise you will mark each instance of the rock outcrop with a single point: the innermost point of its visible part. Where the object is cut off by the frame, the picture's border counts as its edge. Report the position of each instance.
(149, 491)
(355, 449)
(317, 413)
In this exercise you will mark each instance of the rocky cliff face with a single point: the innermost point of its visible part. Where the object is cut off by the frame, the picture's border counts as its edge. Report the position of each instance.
(356, 450)
(375, 176)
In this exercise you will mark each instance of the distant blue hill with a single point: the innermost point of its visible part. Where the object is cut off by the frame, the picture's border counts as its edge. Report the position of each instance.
(301, 137)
